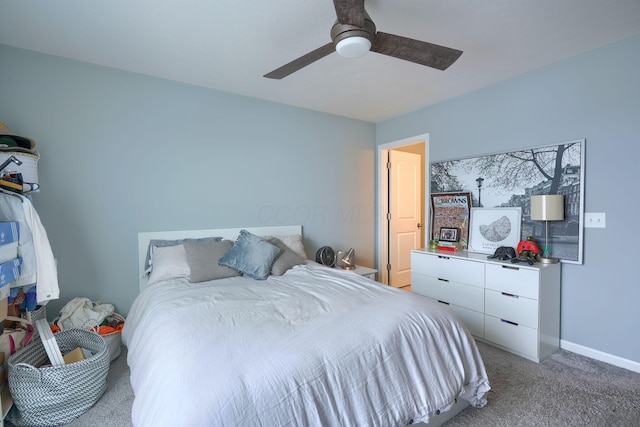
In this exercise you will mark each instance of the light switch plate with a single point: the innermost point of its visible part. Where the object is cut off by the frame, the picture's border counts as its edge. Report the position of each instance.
(595, 220)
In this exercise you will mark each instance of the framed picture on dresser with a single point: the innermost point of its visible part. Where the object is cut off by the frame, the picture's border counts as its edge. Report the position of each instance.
(450, 211)
(449, 234)
(492, 228)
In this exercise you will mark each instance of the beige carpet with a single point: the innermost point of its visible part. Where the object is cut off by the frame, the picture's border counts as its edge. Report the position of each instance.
(564, 390)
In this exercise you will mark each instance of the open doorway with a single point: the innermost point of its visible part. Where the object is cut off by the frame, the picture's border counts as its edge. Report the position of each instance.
(402, 211)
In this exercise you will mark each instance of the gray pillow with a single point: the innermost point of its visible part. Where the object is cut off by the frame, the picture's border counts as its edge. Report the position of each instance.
(285, 260)
(203, 260)
(159, 243)
(251, 255)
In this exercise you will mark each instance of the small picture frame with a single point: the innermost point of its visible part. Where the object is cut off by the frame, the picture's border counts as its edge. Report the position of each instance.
(449, 234)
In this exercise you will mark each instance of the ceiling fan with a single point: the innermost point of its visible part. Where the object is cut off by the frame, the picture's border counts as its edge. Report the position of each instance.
(354, 34)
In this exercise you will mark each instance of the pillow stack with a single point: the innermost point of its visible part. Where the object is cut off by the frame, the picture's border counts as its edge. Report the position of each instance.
(211, 258)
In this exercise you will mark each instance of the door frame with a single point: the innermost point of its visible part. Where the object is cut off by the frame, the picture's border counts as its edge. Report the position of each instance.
(383, 199)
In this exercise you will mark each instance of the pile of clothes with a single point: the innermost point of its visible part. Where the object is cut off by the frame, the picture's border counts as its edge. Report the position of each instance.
(82, 313)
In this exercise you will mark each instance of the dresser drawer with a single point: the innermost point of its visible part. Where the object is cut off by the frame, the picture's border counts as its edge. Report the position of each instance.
(467, 296)
(521, 310)
(518, 338)
(452, 269)
(513, 280)
(473, 320)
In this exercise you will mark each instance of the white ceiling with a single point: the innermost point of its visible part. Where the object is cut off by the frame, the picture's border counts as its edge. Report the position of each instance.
(230, 44)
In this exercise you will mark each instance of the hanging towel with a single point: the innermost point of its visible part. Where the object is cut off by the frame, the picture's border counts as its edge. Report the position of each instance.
(38, 264)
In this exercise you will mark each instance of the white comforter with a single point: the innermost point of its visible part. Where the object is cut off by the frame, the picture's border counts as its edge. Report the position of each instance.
(314, 347)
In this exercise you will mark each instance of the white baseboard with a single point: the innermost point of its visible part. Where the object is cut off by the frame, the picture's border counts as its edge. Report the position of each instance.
(601, 356)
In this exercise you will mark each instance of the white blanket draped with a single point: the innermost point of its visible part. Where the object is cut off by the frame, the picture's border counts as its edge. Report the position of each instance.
(314, 347)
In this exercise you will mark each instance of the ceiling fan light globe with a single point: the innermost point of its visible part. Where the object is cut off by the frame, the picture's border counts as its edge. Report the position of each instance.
(353, 47)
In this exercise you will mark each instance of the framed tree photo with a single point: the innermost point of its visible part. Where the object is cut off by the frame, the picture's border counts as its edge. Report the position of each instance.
(509, 179)
(451, 211)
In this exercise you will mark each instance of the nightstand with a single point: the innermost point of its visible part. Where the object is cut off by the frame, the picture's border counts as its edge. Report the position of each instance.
(369, 273)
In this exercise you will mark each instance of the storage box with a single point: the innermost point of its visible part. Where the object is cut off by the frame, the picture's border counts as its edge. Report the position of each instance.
(28, 168)
(3, 373)
(8, 252)
(4, 305)
(9, 237)
(9, 272)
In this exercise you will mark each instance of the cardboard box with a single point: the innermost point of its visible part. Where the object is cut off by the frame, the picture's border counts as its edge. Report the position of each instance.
(75, 355)
(4, 305)
(9, 232)
(9, 238)
(9, 272)
(3, 374)
(8, 252)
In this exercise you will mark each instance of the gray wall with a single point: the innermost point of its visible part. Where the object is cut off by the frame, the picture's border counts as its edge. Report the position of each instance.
(595, 96)
(123, 153)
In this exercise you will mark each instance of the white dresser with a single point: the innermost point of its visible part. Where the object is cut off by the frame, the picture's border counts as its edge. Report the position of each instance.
(513, 306)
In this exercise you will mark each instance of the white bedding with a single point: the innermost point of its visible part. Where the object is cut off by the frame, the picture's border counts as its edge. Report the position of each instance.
(314, 347)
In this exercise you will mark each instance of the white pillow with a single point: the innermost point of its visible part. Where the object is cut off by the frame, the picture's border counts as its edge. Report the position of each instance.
(293, 242)
(168, 262)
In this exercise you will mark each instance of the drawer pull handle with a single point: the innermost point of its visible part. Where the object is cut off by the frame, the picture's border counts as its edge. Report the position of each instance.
(443, 280)
(443, 302)
(509, 322)
(510, 295)
(510, 267)
(443, 257)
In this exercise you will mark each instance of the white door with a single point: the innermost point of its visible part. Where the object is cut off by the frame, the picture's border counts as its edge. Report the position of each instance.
(405, 209)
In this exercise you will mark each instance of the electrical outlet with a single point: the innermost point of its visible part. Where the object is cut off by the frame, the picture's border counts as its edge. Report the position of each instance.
(595, 220)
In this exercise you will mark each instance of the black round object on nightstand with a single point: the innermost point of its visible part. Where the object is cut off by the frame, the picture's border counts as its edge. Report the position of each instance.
(326, 256)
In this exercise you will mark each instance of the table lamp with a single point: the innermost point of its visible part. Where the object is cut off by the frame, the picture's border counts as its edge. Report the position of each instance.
(347, 260)
(548, 207)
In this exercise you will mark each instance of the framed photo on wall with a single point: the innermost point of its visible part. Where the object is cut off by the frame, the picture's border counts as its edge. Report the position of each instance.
(494, 227)
(451, 211)
(510, 178)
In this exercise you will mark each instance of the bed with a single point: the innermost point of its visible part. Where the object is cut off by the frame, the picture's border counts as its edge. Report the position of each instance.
(308, 346)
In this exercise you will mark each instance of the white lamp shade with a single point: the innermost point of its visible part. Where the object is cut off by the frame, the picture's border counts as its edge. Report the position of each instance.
(353, 47)
(549, 207)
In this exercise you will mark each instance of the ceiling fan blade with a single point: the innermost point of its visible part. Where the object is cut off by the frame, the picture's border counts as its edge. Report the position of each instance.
(350, 12)
(301, 62)
(423, 53)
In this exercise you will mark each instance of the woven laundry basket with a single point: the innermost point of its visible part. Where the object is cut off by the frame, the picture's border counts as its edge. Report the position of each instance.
(114, 339)
(40, 312)
(56, 395)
